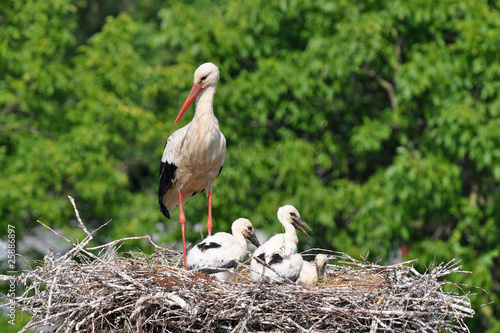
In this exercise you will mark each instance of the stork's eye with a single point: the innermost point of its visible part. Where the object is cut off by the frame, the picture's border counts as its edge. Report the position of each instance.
(203, 78)
(293, 214)
(249, 228)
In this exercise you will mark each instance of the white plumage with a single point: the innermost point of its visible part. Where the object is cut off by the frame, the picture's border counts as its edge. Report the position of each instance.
(222, 251)
(310, 273)
(288, 268)
(194, 155)
(279, 251)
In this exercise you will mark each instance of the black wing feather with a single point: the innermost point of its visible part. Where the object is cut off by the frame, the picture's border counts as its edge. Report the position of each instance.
(262, 257)
(167, 175)
(206, 246)
(275, 259)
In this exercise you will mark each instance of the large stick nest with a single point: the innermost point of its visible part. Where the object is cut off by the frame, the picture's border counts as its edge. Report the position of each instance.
(100, 290)
(82, 291)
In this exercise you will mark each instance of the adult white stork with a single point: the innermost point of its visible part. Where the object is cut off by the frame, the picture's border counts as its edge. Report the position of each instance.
(222, 251)
(279, 251)
(194, 154)
(311, 273)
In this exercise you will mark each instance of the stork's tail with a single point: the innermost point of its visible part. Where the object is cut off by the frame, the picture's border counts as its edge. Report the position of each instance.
(164, 210)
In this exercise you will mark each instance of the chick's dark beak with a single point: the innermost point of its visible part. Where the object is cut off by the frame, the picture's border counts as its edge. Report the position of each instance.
(296, 225)
(253, 239)
(320, 270)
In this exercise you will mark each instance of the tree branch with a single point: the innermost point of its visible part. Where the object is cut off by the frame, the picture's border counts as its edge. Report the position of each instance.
(388, 86)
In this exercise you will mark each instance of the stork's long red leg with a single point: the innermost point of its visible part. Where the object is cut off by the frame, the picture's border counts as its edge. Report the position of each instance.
(209, 221)
(182, 220)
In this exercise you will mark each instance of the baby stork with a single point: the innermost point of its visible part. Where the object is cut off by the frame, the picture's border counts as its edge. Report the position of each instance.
(311, 273)
(279, 252)
(217, 253)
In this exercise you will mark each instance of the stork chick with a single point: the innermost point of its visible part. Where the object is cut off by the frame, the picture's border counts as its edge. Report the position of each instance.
(279, 251)
(222, 251)
(311, 273)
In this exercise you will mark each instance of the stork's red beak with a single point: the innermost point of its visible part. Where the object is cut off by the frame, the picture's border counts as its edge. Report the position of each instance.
(195, 90)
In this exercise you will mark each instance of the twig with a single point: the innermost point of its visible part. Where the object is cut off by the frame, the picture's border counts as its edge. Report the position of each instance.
(55, 232)
(80, 223)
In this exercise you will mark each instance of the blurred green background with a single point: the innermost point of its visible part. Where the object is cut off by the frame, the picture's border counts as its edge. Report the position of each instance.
(378, 120)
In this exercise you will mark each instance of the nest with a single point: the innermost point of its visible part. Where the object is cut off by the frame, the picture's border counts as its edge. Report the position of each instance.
(101, 290)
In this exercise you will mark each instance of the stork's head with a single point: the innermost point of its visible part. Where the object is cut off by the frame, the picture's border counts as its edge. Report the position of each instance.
(320, 263)
(245, 227)
(207, 75)
(289, 214)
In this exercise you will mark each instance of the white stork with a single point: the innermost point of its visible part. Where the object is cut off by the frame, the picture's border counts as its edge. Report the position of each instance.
(283, 269)
(311, 273)
(194, 154)
(279, 251)
(222, 251)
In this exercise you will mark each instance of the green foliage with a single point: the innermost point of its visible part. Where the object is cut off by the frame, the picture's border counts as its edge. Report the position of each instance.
(14, 325)
(379, 121)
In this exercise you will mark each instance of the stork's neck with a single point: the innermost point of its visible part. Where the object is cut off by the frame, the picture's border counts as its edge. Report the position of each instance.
(240, 238)
(290, 232)
(204, 104)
